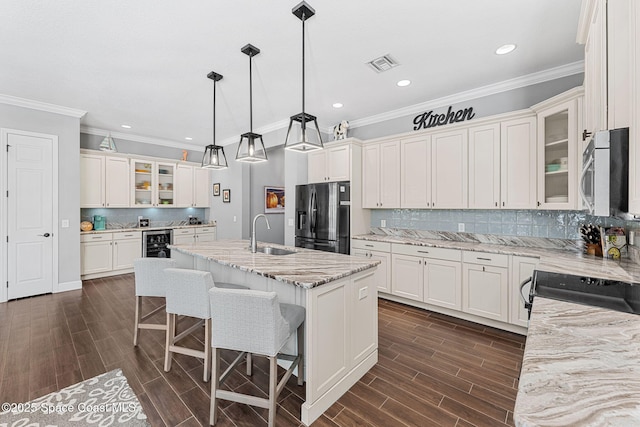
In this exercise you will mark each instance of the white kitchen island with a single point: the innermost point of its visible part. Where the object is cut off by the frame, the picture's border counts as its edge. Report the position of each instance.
(340, 297)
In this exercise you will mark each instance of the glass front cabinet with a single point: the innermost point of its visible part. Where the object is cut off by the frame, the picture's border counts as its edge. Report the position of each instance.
(153, 183)
(558, 162)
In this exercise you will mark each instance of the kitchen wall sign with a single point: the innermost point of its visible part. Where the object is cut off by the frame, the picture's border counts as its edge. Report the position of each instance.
(429, 119)
(273, 200)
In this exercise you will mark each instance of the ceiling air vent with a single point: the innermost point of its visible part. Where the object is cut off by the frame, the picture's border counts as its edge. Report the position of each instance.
(383, 63)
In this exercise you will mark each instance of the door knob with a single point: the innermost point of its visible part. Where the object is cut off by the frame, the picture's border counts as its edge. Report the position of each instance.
(44, 235)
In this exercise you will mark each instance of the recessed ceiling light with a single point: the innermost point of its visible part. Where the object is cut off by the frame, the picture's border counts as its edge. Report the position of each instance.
(126, 126)
(504, 49)
(188, 138)
(337, 105)
(403, 83)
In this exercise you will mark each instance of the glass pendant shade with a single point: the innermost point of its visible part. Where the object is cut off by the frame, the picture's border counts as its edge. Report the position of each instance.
(308, 138)
(214, 157)
(108, 144)
(251, 146)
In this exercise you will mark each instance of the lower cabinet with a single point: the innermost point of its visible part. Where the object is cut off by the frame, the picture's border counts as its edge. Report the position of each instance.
(192, 236)
(485, 289)
(407, 276)
(111, 253)
(381, 252)
(442, 280)
(521, 270)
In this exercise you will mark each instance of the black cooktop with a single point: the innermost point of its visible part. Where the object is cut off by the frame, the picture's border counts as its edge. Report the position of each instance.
(605, 293)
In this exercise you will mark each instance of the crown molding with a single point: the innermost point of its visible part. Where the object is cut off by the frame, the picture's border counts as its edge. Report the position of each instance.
(492, 89)
(41, 106)
(138, 138)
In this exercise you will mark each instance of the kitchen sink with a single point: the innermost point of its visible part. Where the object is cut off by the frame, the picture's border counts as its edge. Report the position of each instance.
(275, 251)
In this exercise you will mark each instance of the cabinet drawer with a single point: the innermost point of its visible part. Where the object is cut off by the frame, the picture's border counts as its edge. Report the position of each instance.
(372, 246)
(205, 230)
(485, 258)
(427, 252)
(96, 237)
(184, 231)
(127, 235)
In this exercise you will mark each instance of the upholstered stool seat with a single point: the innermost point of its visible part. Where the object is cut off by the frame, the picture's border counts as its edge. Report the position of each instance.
(254, 322)
(187, 295)
(150, 281)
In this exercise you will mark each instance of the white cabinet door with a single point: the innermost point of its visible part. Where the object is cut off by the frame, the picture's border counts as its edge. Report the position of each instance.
(92, 181)
(364, 305)
(484, 166)
(370, 176)
(443, 283)
(382, 276)
(449, 170)
(389, 173)
(125, 251)
(521, 270)
(317, 166)
(407, 276)
(205, 237)
(518, 163)
(634, 129)
(339, 163)
(415, 178)
(595, 79)
(485, 291)
(96, 257)
(184, 186)
(184, 236)
(201, 187)
(117, 189)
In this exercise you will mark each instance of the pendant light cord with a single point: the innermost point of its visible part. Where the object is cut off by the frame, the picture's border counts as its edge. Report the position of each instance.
(250, 95)
(302, 122)
(214, 112)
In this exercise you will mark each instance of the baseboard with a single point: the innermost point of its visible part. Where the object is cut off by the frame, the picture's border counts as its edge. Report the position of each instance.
(312, 411)
(68, 286)
(106, 274)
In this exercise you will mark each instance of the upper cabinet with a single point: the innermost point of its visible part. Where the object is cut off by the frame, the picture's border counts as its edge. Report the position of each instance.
(634, 128)
(518, 163)
(104, 181)
(153, 183)
(381, 175)
(333, 163)
(558, 155)
(484, 166)
(415, 172)
(192, 185)
(449, 169)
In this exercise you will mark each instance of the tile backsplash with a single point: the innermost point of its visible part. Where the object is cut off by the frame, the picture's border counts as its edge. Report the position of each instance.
(158, 217)
(530, 223)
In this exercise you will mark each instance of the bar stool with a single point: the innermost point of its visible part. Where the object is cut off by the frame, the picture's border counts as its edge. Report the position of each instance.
(150, 281)
(187, 296)
(255, 322)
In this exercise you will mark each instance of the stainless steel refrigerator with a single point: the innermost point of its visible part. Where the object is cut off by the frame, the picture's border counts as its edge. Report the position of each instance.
(322, 216)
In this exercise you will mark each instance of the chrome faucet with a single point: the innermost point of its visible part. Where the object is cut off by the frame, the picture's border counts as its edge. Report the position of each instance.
(254, 241)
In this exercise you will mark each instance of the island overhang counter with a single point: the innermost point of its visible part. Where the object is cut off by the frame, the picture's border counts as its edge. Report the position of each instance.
(340, 297)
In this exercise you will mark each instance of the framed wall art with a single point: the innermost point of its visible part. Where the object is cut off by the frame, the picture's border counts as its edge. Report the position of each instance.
(216, 189)
(226, 195)
(273, 199)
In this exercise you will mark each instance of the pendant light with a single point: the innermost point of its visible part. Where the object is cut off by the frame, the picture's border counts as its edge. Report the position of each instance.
(252, 150)
(214, 157)
(108, 144)
(310, 138)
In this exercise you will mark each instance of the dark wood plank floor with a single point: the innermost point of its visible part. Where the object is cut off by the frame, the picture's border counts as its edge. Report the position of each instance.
(432, 370)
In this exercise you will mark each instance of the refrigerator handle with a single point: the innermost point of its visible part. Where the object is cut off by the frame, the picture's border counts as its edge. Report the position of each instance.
(313, 211)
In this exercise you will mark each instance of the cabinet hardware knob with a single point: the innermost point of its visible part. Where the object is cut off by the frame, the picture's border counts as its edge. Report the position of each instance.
(419, 261)
(44, 235)
(586, 134)
(483, 268)
(539, 203)
(496, 204)
(502, 203)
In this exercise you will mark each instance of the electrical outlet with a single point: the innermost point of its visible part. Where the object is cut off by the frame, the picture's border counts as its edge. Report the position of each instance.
(290, 222)
(65, 223)
(383, 223)
(139, 216)
(461, 226)
(235, 218)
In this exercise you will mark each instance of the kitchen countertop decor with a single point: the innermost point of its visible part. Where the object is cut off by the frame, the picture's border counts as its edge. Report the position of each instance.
(581, 367)
(560, 257)
(305, 268)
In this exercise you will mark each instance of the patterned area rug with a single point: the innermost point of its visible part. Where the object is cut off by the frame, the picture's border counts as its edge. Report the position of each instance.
(105, 400)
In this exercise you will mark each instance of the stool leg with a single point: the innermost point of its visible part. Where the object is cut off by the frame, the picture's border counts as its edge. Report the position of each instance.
(300, 340)
(215, 377)
(207, 350)
(249, 364)
(170, 335)
(273, 385)
(136, 329)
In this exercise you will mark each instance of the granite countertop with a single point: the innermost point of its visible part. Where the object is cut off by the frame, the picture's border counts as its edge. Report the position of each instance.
(117, 230)
(569, 261)
(305, 268)
(581, 367)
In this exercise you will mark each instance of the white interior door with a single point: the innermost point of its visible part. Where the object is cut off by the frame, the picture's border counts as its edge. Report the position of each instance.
(30, 214)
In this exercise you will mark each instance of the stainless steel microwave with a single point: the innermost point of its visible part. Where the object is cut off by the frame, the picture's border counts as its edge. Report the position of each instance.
(604, 182)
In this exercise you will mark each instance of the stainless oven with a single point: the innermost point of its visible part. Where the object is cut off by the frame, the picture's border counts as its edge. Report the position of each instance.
(155, 242)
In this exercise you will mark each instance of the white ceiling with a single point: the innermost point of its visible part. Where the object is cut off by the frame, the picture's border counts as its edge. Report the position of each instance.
(144, 62)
